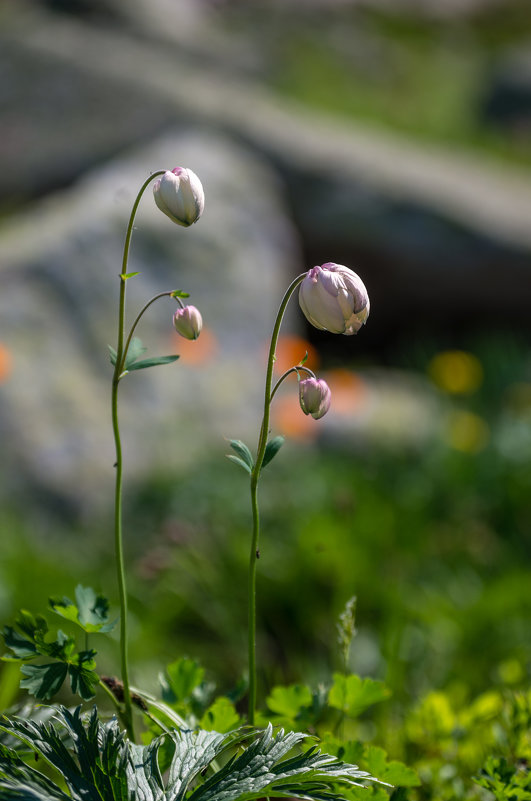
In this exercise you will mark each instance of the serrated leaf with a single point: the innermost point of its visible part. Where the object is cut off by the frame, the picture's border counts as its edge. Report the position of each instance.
(289, 701)
(44, 681)
(97, 761)
(220, 716)
(352, 694)
(237, 460)
(135, 349)
(154, 361)
(396, 773)
(127, 276)
(243, 451)
(272, 448)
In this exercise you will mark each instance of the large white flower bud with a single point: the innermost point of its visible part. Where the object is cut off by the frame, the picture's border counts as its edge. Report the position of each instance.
(333, 298)
(179, 194)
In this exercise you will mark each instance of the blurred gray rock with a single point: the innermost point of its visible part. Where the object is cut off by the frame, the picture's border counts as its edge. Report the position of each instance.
(58, 310)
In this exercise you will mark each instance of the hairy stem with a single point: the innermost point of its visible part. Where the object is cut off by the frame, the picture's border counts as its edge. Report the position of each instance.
(255, 475)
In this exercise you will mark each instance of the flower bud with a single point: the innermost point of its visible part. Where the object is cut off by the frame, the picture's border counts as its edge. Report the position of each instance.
(333, 298)
(188, 322)
(314, 397)
(179, 194)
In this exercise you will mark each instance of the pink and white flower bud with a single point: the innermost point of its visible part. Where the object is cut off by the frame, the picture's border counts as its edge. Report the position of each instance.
(179, 194)
(333, 298)
(314, 397)
(188, 322)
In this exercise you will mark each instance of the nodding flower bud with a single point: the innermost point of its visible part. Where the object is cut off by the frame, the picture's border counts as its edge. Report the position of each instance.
(188, 322)
(333, 298)
(179, 194)
(314, 397)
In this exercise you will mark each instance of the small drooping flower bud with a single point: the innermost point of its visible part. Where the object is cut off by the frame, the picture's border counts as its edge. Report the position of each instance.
(314, 397)
(188, 322)
(333, 298)
(179, 194)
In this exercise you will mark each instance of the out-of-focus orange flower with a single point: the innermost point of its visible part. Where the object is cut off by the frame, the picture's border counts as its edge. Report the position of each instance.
(196, 352)
(290, 420)
(291, 350)
(6, 362)
(456, 372)
(349, 391)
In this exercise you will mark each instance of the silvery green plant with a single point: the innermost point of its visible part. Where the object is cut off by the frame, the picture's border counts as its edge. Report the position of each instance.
(333, 298)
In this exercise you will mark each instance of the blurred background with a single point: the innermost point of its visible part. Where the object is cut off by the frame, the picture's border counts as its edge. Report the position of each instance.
(393, 137)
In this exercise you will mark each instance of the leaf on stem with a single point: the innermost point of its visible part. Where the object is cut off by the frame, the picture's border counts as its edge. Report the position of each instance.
(272, 448)
(126, 276)
(135, 349)
(154, 361)
(237, 460)
(179, 293)
(44, 681)
(242, 451)
(112, 355)
(352, 694)
(90, 612)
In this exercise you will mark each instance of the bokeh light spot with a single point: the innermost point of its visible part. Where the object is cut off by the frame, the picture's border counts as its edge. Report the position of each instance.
(456, 372)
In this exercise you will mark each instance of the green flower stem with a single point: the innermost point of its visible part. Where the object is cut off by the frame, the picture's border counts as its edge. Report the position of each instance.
(287, 373)
(118, 538)
(133, 327)
(255, 475)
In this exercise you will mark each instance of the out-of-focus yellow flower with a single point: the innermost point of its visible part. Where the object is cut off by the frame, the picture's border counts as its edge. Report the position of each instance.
(467, 431)
(456, 372)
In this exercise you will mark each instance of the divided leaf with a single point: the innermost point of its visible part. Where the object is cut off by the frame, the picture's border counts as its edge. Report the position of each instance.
(352, 694)
(90, 612)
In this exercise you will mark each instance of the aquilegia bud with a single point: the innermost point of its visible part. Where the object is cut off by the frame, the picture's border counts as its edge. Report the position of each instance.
(188, 322)
(179, 194)
(314, 397)
(333, 298)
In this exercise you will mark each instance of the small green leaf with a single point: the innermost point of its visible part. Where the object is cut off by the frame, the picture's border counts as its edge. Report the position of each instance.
(135, 349)
(83, 681)
(243, 451)
(352, 694)
(179, 293)
(44, 681)
(220, 716)
(93, 610)
(183, 676)
(396, 773)
(112, 355)
(22, 648)
(303, 360)
(237, 460)
(153, 362)
(272, 448)
(126, 276)
(289, 701)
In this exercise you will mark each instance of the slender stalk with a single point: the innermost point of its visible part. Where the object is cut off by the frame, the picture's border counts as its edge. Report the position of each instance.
(287, 373)
(118, 537)
(255, 475)
(138, 318)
